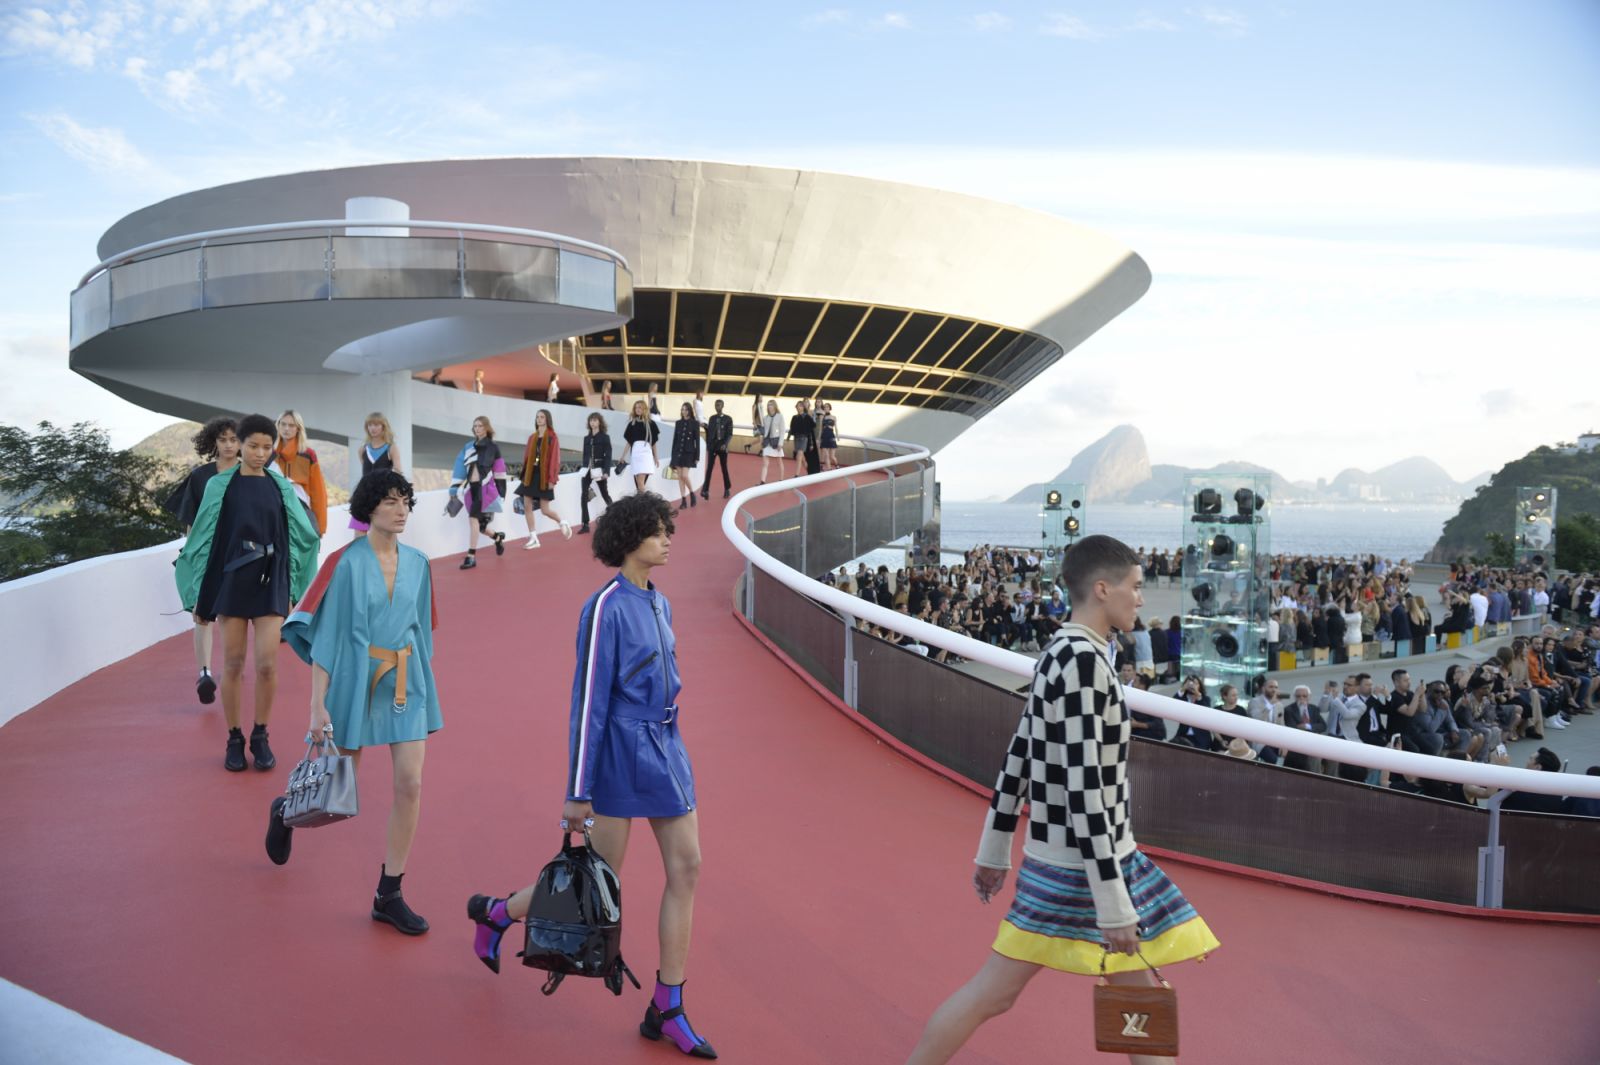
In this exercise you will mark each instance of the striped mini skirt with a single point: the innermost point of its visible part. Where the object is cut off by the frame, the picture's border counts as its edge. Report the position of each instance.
(1052, 920)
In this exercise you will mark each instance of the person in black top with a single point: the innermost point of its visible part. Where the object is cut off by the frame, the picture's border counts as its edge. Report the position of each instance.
(803, 431)
(719, 434)
(686, 454)
(641, 436)
(1404, 712)
(218, 443)
(1544, 760)
(596, 465)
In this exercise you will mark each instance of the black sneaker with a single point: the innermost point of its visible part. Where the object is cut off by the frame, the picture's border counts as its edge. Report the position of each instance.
(206, 687)
(727, 493)
(391, 909)
(499, 543)
(470, 562)
(233, 762)
(692, 501)
(279, 835)
(260, 753)
(584, 528)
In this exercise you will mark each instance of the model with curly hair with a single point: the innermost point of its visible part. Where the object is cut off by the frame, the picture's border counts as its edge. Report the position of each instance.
(218, 443)
(366, 629)
(627, 757)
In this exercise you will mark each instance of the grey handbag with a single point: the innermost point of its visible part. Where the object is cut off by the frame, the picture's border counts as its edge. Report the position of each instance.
(322, 787)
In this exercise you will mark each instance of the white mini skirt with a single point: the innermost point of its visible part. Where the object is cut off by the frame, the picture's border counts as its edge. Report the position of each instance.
(640, 460)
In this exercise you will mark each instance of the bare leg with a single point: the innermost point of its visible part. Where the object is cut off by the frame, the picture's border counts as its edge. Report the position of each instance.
(529, 514)
(548, 510)
(991, 992)
(235, 637)
(266, 655)
(610, 838)
(202, 646)
(679, 840)
(638, 481)
(407, 804)
(763, 469)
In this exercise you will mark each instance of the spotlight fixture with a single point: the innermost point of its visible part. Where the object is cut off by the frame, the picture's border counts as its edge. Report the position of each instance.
(1531, 519)
(1207, 502)
(1249, 504)
(1541, 498)
(1221, 545)
(1076, 504)
(1201, 592)
(1072, 526)
(1052, 500)
(1226, 644)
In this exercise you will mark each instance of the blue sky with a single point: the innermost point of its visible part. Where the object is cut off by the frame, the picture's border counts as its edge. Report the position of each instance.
(1375, 210)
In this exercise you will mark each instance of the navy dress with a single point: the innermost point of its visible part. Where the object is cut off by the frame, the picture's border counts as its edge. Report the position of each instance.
(243, 579)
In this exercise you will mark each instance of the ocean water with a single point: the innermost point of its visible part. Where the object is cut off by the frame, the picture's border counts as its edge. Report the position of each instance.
(1341, 529)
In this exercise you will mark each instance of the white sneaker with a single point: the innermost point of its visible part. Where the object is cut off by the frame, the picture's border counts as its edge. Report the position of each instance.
(533, 542)
(566, 530)
(1555, 722)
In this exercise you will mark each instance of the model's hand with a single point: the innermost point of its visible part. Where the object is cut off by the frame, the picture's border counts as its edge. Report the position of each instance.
(319, 720)
(576, 815)
(987, 882)
(1122, 940)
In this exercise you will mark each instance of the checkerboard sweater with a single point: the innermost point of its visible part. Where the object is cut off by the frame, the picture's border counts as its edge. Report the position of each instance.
(1070, 758)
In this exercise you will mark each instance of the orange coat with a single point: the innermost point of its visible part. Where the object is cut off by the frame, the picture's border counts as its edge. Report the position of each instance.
(305, 471)
(1536, 674)
(549, 462)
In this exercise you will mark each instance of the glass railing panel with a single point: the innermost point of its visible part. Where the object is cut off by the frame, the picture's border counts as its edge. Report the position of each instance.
(807, 632)
(588, 281)
(155, 287)
(270, 271)
(396, 268)
(874, 503)
(91, 309)
(501, 271)
(828, 540)
(907, 502)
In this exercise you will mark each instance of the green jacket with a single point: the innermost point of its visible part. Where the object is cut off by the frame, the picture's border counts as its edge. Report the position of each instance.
(304, 543)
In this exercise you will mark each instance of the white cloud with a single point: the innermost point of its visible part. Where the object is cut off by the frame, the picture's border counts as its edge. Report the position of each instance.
(1071, 27)
(895, 20)
(71, 33)
(991, 21)
(1224, 19)
(104, 150)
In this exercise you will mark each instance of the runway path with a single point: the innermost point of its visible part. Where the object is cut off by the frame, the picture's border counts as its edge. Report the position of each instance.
(835, 908)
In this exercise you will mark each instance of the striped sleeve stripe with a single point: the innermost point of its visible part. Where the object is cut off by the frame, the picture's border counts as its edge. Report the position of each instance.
(588, 688)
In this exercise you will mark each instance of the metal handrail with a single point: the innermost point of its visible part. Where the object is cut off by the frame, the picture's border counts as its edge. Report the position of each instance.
(458, 228)
(1204, 717)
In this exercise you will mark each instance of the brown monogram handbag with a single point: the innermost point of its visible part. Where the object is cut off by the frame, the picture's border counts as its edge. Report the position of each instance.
(1135, 1020)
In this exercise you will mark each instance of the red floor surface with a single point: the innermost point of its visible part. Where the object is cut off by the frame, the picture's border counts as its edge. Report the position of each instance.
(835, 909)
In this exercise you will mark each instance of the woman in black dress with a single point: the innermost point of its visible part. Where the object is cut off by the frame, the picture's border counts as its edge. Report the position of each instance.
(686, 454)
(541, 468)
(218, 443)
(803, 430)
(250, 553)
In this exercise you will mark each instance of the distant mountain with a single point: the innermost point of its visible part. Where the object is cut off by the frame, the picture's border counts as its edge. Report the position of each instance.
(1415, 479)
(1576, 478)
(1107, 468)
(1166, 483)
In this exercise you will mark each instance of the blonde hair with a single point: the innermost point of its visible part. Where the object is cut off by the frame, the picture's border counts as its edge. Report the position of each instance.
(634, 412)
(300, 429)
(488, 426)
(377, 416)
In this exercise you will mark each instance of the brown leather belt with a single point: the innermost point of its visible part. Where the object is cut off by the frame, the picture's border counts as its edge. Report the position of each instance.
(392, 660)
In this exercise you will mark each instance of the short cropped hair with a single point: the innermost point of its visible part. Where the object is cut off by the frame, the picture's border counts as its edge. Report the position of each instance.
(205, 441)
(1095, 558)
(374, 488)
(629, 522)
(251, 424)
(1548, 760)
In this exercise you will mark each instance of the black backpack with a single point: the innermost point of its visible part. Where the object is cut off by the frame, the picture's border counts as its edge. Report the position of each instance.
(574, 922)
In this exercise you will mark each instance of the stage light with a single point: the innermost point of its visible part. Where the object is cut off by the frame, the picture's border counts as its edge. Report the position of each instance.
(1540, 498)
(1076, 504)
(1249, 504)
(1072, 526)
(1221, 545)
(1201, 593)
(1226, 644)
(1531, 519)
(1052, 500)
(1207, 502)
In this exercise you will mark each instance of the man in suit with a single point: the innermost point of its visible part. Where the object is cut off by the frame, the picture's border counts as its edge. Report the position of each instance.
(1304, 715)
(719, 433)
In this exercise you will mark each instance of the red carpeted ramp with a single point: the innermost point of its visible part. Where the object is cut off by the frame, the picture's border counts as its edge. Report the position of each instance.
(835, 908)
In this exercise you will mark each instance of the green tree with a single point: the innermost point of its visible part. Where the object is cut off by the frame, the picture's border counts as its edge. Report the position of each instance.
(67, 494)
(1501, 551)
(1578, 543)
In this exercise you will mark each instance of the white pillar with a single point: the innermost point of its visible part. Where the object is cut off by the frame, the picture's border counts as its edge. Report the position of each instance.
(377, 207)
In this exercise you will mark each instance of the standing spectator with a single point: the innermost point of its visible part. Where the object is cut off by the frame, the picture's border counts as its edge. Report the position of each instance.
(1158, 647)
(719, 434)
(296, 461)
(479, 477)
(1338, 652)
(685, 454)
(541, 468)
(641, 436)
(1174, 646)
(218, 443)
(1399, 623)
(1144, 662)
(771, 439)
(1480, 608)
(596, 466)
(1421, 624)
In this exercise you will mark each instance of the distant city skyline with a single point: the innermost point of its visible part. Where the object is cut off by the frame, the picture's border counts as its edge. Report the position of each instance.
(1374, 229)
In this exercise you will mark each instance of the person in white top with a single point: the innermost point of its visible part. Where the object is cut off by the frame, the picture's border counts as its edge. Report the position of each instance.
(1541, 597)
(554, 391)
(772, 430)
(1480, 607)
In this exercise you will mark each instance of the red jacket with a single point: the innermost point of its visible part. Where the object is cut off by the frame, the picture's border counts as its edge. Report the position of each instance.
(549, 461)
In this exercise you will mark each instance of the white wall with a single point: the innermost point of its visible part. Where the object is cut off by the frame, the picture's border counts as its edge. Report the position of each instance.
(58, 627)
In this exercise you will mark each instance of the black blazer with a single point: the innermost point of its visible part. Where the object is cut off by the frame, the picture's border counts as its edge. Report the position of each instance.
(596, 450)
(1294, 719)
(719, 431)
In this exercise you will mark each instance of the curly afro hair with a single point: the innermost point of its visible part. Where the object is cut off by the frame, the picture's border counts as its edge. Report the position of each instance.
(205, 441)
(374, 488)
(252, 424)
(629, 522)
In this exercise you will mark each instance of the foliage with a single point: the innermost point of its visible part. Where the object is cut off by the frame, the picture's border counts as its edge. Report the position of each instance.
(67, 494)
(1502, 552)
(1576, 479)
(1578, 543)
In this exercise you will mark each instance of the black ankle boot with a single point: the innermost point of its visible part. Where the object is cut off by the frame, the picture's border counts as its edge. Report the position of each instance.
(390, 908)
(233, 761)
(260, 753)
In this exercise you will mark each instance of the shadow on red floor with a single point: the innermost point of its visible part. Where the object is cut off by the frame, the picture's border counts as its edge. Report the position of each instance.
(835, 908)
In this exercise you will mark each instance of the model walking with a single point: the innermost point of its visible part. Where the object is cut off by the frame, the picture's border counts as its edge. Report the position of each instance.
(641, 436)
(377, 453)
(218, 443)
(596, 466)
(1086, 896)
(803, 429)
(480, 477)
(719, 434)
(297, 462)
(627, 757)
(686, 454)
(366, 629)
(541, 468)
(829, 442)
(250, 553)
(771, 439)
